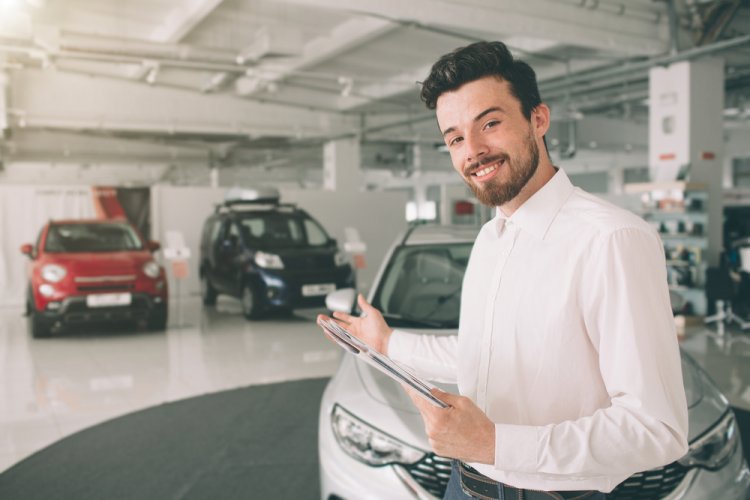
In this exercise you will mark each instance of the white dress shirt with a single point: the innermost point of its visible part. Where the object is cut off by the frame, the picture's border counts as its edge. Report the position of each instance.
(567, 342)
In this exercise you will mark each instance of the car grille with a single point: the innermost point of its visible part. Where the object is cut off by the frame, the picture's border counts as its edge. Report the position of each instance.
(106, 288)
(655, 483)
(433, 471)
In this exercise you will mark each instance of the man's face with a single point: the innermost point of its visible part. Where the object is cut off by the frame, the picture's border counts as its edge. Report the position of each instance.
(492, 144)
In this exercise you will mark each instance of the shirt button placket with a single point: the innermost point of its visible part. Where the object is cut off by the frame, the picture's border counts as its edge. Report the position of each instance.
(507, 240)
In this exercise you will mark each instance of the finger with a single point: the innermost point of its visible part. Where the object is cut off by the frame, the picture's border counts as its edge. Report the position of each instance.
(347, 318)
(363, 304)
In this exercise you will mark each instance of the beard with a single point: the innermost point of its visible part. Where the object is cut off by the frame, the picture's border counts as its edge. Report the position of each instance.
(495, 192)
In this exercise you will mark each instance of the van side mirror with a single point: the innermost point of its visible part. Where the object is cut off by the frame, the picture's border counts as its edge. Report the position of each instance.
(153, 246)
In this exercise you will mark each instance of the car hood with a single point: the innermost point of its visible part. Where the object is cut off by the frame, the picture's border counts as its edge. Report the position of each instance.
(98, 263)
(705, 402)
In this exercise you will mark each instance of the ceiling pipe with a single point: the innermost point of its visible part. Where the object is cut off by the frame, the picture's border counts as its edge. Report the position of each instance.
(620, 8)
(624, 69)
(144, 49)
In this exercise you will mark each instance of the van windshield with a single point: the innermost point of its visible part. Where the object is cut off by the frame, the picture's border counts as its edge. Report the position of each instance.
(272, 230)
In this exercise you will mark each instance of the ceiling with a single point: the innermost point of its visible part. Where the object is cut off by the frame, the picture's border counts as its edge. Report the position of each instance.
(263, 83)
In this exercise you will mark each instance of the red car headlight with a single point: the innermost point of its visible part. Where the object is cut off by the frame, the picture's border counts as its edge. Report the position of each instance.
(151, 269)
(53, 273)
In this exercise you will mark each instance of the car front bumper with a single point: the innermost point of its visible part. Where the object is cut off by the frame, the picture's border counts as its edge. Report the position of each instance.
(74, 310)
(284, 288)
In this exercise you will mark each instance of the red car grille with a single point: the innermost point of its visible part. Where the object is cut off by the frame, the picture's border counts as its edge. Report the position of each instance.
(115, 287)
(114, 283)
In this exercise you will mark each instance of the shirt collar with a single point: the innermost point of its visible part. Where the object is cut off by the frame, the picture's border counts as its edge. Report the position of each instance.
(538, 212)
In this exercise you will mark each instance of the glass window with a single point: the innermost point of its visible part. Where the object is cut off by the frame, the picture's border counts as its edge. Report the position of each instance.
(274, 230)
(95, 237)
(315, 234)
(422, 284)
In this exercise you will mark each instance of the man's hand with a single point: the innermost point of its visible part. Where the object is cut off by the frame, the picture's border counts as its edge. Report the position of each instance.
(369, 327)
(461, 431)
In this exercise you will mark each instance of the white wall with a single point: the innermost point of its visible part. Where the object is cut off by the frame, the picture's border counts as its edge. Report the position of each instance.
(23, 212)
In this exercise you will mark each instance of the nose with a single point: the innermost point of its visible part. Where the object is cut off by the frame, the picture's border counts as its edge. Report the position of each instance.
(475, 147)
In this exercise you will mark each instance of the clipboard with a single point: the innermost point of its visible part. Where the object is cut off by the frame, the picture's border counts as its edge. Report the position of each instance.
(400, 374)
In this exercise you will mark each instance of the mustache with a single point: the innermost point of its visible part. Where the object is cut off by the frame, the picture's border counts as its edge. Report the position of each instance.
(485, 161)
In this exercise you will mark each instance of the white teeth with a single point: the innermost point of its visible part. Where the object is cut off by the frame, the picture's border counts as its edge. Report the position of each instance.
(486, 170)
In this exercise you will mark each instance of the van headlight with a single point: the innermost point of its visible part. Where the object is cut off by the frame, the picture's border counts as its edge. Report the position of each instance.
(151, 269)
(368, 444)
(268, 260)
(340, 259)
(53, 273)
(715, 448)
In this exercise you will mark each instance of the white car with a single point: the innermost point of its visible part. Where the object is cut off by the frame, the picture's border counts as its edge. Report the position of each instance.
(371, 440)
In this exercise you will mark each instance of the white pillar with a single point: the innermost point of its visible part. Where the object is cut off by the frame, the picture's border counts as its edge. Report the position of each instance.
(686, 132)
(342, 165)
(4, 84)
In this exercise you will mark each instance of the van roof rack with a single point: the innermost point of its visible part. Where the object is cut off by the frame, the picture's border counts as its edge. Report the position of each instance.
(245, 196)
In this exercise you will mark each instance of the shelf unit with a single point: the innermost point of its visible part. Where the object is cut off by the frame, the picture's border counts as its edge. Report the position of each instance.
(678, 211)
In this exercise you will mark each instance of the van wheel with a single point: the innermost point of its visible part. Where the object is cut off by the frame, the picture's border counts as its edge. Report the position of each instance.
(208, 293)
(250, 306)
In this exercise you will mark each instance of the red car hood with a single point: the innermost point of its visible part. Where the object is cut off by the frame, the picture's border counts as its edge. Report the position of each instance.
(102, 263)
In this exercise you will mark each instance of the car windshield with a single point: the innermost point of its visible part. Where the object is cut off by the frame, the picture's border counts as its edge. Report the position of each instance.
(421, 286)
(272, 230)
(96, 237)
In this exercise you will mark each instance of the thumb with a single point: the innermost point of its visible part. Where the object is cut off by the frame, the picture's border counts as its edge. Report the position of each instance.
(363, 304)
(448, 397)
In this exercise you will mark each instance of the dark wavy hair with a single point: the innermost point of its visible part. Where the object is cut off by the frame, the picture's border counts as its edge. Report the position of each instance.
(476, 61)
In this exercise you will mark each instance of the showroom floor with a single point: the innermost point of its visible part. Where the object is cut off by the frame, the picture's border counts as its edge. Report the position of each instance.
(50, 388)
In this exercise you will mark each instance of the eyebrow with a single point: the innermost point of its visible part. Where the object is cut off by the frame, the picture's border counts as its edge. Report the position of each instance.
(476, 118)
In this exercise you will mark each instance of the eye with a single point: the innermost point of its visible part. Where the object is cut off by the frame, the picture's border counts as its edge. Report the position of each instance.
(455, 140)
(491, 123)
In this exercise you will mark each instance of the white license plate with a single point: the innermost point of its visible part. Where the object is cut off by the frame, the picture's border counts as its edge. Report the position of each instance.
(318, 289)
(108, 299)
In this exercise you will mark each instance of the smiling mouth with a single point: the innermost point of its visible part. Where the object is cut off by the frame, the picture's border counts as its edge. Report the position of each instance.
(488, 169)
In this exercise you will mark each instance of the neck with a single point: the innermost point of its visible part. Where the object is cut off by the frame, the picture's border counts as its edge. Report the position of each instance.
(544, 172)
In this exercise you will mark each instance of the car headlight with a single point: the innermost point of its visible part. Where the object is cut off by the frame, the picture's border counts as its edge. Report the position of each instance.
(715, 448)
(53, 273)
(368, 444)
(268, 260)
(151, 269)
(340, 259)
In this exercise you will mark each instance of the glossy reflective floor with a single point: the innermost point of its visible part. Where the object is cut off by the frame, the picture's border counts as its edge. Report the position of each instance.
(50, 388)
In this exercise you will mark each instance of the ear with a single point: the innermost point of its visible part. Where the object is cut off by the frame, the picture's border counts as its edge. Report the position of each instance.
(540, 119)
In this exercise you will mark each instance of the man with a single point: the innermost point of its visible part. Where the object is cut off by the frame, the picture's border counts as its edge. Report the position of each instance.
(566, 358)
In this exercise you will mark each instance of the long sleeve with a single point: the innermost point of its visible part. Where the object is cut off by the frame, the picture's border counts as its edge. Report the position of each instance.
(628, 319)
(433, 357)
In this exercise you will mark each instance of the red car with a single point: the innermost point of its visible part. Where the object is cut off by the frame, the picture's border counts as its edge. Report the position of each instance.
(92, 271)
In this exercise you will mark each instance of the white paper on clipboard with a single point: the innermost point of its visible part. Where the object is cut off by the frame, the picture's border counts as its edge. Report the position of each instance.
(383, 363)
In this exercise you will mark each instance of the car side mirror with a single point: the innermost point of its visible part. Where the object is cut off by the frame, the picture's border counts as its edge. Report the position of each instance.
(342, 300)
(28, 250)
(153, 246)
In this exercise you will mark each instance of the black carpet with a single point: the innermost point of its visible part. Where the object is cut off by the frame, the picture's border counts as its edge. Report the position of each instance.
(252, 443)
